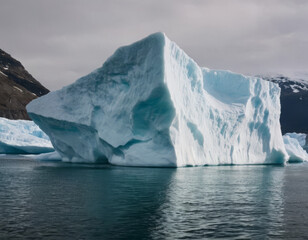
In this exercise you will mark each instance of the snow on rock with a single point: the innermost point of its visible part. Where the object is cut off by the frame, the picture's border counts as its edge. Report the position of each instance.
(22, 137)
(3, 74)
(294, 143)
(17, 88)
(152, 105)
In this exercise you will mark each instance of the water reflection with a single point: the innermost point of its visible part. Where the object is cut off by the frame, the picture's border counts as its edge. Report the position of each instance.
(226, 201)
(125, 200)
(295, 194)
(60, 201)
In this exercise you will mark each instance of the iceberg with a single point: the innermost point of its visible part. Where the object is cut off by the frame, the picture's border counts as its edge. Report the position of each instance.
(150, 104)
(22, 137)
(295, 143)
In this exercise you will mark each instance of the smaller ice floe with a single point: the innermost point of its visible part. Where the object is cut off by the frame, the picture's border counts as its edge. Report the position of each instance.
(22, 137)
(301, 137)
(294, 143)
(51, 156)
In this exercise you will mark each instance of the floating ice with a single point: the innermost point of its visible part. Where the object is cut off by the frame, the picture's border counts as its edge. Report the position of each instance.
(300, 137)
(294, 143)
(22, 137)
(51, 156)
(152, 105)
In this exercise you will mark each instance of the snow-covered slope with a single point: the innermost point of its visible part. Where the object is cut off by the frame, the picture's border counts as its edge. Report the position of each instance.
(295, 82)
(295, 143)
(22, 137)
(152, 105)
(294, 100)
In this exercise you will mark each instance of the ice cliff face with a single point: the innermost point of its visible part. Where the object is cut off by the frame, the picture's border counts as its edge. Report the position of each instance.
(152, 105)
(22, 137)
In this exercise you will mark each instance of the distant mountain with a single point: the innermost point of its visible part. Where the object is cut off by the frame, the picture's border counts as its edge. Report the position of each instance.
(17, 88)
(294, 101)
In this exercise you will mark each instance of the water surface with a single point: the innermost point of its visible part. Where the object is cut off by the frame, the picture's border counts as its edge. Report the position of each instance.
(77, 201)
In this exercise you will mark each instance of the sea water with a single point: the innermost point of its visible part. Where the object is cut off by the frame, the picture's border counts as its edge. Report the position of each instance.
(49, 200)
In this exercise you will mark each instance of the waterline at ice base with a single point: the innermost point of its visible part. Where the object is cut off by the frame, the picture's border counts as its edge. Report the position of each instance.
(151, 105)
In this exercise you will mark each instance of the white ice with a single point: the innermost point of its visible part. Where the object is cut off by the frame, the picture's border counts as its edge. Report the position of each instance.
(151, 105)
(301, 137)
(51, 156)
(294, 143)
(22, 137)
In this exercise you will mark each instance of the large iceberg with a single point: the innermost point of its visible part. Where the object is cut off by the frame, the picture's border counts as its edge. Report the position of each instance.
(295, 144)
(22, 137)
(151, 105)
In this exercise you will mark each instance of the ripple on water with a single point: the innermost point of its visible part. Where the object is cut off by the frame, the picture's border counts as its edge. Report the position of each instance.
(72, 201)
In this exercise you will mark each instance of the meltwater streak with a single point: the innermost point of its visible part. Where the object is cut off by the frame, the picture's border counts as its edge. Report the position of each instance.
(76, 201)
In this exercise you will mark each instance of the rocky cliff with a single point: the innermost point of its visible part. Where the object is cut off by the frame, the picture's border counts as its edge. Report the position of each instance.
(17, 88)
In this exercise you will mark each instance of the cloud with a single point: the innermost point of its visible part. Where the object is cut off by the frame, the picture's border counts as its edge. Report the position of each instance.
(61, 40)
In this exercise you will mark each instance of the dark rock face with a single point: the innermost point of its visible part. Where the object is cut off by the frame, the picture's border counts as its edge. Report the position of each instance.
(294, 103)
(17, 88)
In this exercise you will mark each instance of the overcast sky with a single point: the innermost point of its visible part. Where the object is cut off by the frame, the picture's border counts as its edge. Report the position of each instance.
(59, 41)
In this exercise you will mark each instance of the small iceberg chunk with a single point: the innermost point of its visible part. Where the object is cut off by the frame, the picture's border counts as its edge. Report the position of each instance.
(51, 156)
(22, 137)
(294, 143)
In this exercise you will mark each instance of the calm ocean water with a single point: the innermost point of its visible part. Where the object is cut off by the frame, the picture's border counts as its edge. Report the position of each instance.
(49, 200)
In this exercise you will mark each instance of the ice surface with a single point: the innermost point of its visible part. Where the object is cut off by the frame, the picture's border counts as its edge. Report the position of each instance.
(22, 137)
(294, 143)
(152, 105)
